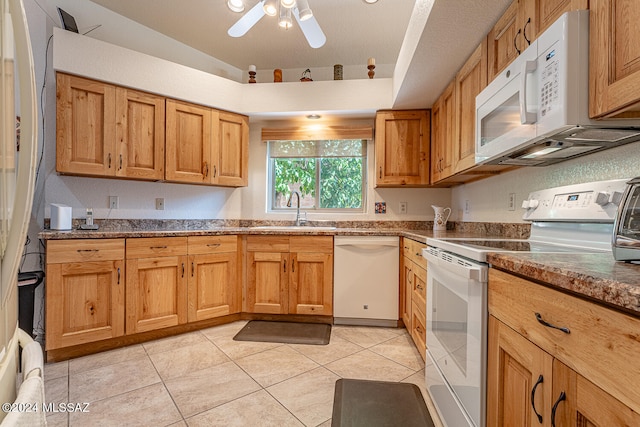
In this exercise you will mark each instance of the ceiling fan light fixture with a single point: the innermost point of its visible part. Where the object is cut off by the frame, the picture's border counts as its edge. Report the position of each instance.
(288, 4)
(270, 7)
(235, 5)
(284, 18)
(304, 11)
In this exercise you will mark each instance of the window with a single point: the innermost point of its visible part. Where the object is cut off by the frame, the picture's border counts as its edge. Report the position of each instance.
(329, 174)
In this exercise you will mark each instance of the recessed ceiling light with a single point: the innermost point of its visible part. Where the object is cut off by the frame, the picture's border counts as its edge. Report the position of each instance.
(235, 5)
(370, 1)
(314, 116)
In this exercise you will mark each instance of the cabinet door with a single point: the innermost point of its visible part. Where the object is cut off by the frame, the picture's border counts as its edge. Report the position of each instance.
(418, 330)
(402, 148)
(406, 285)
(517, 372)
(614, 58)
(139, 134)
(548, 11)
(267, 282)
(156, 293)
(85, 302)
(188, 143)
(85, 130)
(470, 81)
(444, 134)
(419, 288)
(230, 149)
(213, 285)
(311, 284)
(502, 41)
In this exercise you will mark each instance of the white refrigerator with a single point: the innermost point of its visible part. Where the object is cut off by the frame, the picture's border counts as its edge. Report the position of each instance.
(17, 176)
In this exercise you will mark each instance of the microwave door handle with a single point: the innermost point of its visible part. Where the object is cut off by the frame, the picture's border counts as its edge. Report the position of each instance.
(526, 117)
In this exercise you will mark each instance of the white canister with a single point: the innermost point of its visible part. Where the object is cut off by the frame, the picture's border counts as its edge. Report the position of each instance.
(60, 217)
(441, 218)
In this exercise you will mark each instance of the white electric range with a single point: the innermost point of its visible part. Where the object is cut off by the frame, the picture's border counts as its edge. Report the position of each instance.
(571, 219)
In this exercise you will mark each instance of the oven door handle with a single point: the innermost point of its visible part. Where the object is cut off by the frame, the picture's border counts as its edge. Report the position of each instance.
(477, 272)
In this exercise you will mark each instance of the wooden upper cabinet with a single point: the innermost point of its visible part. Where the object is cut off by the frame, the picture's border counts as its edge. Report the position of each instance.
(444, 134)
(139, 134)
(85, 126)
(502, 41)
(614, 58)
(230, 149)
(188, 143)
(548, 11)
(402, 148)
(470, 81)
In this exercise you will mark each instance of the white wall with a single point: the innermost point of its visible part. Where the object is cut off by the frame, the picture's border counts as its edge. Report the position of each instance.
(488, 198)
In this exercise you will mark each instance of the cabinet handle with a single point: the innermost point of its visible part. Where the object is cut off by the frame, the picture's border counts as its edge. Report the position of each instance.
(533, 397)
(215, 171)
(158, 247)
(118, 275)
(193, 269)
(293, 266)
(88, 250)
(563, 396)
(524, 32)
(420, 287)
(419, 329)
(213, 245)
(120, 162)
(515, 40)
(183, 269)
(109, 161)
(206, 169)
(285, 265)
(549, 325)
(380, 172)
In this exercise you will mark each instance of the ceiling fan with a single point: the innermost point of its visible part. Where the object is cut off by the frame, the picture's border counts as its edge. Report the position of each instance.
(285, 9)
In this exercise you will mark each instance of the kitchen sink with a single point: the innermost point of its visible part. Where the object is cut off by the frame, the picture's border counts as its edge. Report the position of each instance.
(292, 228)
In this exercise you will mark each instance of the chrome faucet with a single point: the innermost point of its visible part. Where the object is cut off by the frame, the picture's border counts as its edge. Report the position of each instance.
(299, 221)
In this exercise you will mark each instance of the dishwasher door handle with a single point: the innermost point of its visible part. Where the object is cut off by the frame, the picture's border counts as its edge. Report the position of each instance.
(366, 246)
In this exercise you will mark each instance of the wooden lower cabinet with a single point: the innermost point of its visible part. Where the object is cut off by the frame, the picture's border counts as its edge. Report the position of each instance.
(214, 285)
(290, 275)
(85, 291)
(413, 292)
(540, 375)
(156, 283)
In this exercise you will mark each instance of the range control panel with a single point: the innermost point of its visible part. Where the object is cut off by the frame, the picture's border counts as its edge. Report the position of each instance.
(592, 202)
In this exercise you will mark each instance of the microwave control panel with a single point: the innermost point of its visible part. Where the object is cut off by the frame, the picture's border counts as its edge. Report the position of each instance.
(549, 77)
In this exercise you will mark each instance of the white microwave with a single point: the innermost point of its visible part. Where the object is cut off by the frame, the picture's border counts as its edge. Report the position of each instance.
(536, 112)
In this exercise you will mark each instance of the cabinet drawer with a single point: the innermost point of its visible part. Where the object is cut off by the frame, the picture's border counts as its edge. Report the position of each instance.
(80, 250)
(419, 287)
(268, 243)
(212, 244)
(313, 244)
(600, 344)
(414, 252)
(156, 246)
(418, 329)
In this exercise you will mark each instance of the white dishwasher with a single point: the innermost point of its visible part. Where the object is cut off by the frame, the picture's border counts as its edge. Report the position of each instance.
(366, 280)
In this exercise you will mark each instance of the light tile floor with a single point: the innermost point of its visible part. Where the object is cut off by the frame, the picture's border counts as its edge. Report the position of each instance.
(204, 378)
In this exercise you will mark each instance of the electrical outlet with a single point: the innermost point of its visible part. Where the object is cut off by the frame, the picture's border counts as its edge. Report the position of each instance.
(512, 201)
(403, 207)
(114, 202)
(160, 204)
(467, 207)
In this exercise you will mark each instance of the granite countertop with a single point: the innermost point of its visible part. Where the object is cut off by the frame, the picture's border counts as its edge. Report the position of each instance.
(595, 276)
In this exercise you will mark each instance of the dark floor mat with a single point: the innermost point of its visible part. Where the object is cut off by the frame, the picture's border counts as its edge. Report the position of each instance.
(285, 332)
(377, 404)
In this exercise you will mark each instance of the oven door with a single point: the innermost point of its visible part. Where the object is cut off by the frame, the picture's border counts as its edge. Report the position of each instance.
(456, 330)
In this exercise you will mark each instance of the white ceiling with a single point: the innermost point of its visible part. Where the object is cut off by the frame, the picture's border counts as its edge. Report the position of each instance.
(354, 29)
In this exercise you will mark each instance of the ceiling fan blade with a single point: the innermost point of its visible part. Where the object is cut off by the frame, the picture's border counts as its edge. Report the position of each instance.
(311, 30)
(247, 21)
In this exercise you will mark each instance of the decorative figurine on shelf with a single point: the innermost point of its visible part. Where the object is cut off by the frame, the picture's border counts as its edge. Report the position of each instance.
(337, 72)
(306, 76)
(252, 73)
(277, 75)
(371, 65)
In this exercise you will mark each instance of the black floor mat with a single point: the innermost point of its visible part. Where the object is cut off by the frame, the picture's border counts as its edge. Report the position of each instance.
(285, 332)
(378, 404)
